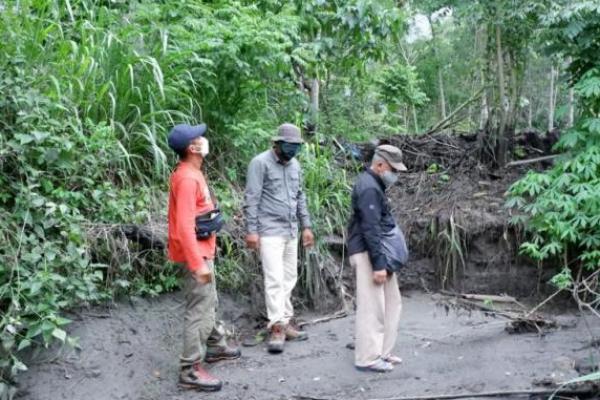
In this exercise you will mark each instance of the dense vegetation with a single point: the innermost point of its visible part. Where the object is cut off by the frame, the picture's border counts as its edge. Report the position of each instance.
(561, 207)
(89, 93)
(90, 90)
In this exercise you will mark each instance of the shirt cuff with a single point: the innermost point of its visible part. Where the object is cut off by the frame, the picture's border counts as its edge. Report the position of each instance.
(379, 264)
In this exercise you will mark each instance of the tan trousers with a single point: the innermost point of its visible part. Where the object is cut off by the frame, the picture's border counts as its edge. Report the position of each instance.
(200, 327)
(378, 309)
(279, 257)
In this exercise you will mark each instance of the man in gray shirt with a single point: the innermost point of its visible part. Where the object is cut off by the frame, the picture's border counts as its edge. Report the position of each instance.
(275, 204)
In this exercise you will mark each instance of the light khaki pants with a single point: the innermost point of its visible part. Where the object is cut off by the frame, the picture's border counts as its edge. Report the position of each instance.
(279, 257)
(200, 327)
(378, 309)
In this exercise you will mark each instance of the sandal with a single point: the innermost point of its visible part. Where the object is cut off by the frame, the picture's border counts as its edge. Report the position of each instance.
(394, 360)
(378, 366)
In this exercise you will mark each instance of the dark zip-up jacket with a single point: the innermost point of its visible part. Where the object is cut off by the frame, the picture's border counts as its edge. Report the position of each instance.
(371, 217)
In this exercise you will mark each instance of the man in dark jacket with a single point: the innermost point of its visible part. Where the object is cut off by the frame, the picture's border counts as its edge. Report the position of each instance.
(378, 301)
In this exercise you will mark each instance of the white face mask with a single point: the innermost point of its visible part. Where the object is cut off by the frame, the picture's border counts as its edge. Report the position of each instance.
(202, 148)
(389, 178)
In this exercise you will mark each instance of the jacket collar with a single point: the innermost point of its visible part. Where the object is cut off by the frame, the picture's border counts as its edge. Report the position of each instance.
(376, 177)
(276, 158)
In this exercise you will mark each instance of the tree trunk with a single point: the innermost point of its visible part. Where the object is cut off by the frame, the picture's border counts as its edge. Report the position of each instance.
(513, 99)
(571, 101)
(484, 112)
(314, 104)
(530, 115)
(442, 98)
(314, 98)
(551, 101)
(502, 143)
(416, 121)
(571, 117)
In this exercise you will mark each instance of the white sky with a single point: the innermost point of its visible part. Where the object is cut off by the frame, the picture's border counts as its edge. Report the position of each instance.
(419, 27)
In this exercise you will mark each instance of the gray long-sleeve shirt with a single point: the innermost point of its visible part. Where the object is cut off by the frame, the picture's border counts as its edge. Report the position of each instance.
(274, 197)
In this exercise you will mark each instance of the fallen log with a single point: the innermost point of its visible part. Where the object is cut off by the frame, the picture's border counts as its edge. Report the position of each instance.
(142, 235)
(446, 122)
(337, 315)
(532, 160)
(485, 297)
(519, 322)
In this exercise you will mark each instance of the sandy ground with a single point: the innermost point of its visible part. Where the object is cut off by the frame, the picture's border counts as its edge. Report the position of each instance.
(133, 355)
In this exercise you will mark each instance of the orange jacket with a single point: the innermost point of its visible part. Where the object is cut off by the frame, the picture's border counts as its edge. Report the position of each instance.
(189, 196)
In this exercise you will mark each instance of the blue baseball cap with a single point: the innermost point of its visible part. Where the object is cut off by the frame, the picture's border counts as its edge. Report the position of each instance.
(181, 135)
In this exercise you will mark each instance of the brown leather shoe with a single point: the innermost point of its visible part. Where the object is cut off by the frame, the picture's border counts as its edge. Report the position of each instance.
(196, 377)
(276, 339)
(220, 353)
(292, 333)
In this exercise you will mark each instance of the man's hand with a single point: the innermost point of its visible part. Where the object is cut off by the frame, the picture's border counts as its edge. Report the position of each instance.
(252, 241)
(379, 277)
(308, 239)
(202, 275)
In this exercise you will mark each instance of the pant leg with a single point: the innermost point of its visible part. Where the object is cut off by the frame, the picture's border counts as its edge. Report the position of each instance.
(393, 309)
(290, 276)
(272, 249)
(217, 337)
(199, 317)
(370, 312)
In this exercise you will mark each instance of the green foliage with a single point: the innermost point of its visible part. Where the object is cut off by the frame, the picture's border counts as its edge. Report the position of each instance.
(346, 35)
(400, 85)
(561, 207)
(328, 189)
(563, 210)
(89, 91)
(574, 33)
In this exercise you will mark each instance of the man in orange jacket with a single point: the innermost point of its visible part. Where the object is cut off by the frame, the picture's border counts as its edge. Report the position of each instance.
(190, 197)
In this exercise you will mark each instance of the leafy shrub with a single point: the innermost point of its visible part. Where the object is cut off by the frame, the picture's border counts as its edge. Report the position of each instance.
(561, 207)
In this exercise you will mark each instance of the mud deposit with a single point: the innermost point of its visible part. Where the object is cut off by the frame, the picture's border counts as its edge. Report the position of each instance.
(130, 352)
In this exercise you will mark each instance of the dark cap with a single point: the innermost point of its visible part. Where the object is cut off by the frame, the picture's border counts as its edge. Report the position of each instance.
(289, 133)
(181, 135)
(392, 155)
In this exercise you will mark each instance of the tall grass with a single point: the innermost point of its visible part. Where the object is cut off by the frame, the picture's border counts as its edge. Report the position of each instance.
(88, 95)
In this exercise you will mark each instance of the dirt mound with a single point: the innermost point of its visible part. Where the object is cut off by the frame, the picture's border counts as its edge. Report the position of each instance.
(451, 206)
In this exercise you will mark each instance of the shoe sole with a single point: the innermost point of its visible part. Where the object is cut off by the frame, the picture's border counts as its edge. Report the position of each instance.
(298, 339)
(201, 388)
(371, 369)
(275, 350)
(221, 358)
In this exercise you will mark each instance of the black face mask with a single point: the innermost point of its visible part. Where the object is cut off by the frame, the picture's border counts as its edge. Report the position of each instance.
(287, 151)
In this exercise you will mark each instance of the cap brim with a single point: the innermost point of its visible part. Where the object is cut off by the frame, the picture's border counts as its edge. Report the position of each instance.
(198, 130)
(398, 166)
(282, 139)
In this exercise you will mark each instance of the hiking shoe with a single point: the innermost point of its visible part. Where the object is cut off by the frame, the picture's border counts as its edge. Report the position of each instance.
(291, 333)
(196, 377)
(378, 366)
(394, 360)
(276, 339)
(220, 353)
